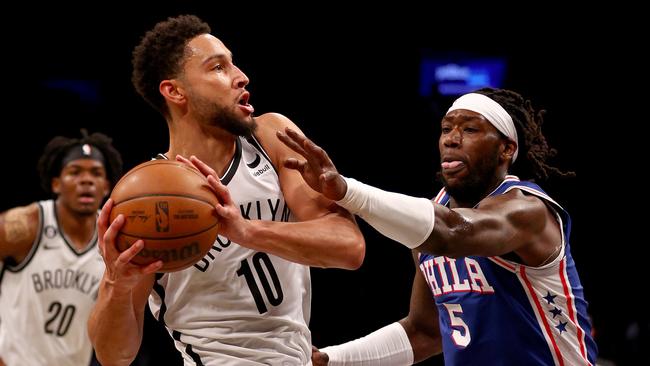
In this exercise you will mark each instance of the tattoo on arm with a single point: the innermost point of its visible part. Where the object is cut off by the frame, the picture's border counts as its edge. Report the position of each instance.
(17, 225)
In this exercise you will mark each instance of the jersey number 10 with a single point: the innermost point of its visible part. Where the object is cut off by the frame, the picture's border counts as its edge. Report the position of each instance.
(265, 270)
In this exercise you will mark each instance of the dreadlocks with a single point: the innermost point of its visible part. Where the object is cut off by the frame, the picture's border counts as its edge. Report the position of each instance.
(50, 162)
(529, 125)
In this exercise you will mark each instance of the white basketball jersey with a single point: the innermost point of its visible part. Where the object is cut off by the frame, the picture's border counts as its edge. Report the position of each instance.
(45, 300)
(237, 306)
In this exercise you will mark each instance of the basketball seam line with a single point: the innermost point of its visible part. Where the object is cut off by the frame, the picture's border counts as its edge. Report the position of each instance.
(196, 198)
(171, 238)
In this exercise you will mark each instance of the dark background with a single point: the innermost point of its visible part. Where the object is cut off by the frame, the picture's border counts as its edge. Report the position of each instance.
(349, 79)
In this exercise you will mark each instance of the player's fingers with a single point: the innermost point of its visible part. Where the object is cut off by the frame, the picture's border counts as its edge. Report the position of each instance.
(293, 163)
(312, 152)
(290, 142)
(111, 233)
(221, 211)
(152, 267)
(203, 167)
(102, 219)
(221, 190)
(329, 176)
(317, 154)
(131, 252)
(185, 161)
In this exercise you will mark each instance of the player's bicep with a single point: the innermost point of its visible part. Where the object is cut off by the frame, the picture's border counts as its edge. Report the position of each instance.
(499, 225)
(18, 230)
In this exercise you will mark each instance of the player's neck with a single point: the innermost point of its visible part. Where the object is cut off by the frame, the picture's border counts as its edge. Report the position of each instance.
(77, 228)
(212, 145)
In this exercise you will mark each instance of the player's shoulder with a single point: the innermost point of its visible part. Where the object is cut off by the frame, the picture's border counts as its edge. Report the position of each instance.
(517, 206)
(514, 198)
(18, 229)
(273, 122)
(28, 212)
(268, 125)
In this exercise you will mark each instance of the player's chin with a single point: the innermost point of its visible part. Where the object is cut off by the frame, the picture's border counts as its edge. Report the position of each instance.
(248, 120)
(251, 122)
(454, 176)
(87, 208)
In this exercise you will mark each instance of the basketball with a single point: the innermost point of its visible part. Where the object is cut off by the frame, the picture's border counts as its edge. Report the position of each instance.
(170, 206)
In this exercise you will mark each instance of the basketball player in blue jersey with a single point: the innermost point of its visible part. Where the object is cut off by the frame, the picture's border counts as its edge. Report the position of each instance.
(492, 250)
(247, 302)
(51, 264)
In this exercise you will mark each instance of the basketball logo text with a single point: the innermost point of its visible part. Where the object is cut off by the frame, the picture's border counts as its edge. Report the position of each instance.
(162, 216)
(172, 254)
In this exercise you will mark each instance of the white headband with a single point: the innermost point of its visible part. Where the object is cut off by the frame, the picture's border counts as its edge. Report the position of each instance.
(492, 111)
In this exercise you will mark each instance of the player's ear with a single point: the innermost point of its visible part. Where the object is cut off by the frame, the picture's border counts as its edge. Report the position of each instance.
(107, 188)
(56, 185)
(509, 148)
(172, 91)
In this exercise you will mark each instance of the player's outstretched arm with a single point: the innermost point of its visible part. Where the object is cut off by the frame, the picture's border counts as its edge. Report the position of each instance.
(412, 339)
(405, 219)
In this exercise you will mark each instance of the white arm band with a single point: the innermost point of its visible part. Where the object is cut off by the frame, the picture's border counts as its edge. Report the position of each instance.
(386, 346)
(405, 219)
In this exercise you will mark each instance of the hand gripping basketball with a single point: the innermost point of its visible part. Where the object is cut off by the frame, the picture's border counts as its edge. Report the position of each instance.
(171, 207)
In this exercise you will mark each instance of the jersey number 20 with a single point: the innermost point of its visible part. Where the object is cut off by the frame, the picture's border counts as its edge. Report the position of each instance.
(60, 319)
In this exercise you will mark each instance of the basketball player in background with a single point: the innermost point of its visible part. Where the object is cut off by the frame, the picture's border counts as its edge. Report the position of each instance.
(247, 302)
(498, 284)
(51, 265)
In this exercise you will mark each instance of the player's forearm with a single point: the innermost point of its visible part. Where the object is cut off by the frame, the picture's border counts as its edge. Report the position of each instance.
(114, 328)
(405, 219)
(386, 346)
(425, 341)
(333, 240)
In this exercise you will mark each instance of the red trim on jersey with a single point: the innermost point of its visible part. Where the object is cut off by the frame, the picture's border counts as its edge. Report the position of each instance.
(572, 314)
(440, 195)
(542, 315)
(503, 263)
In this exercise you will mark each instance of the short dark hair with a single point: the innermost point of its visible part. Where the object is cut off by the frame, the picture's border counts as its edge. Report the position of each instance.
(532, 142)
(50, 163)
(160, 55)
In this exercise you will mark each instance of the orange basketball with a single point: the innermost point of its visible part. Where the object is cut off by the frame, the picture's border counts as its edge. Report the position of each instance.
(171, 207)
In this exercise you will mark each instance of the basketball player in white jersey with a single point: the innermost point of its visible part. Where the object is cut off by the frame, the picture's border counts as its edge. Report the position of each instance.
(247, 302)
(51, 264)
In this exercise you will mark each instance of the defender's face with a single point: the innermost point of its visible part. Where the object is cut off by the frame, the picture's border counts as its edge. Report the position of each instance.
(469, 149)
(82, 185)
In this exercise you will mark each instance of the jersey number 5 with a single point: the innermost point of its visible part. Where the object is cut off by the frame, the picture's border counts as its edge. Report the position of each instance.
(463, 338)
(261, 261)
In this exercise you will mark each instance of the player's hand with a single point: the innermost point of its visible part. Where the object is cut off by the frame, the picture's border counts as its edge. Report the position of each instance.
(318, 170)
(319, 358)
(120, 272)
(232, 224)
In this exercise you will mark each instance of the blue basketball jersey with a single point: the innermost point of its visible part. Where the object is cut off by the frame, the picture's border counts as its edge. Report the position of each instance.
(494, 311)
